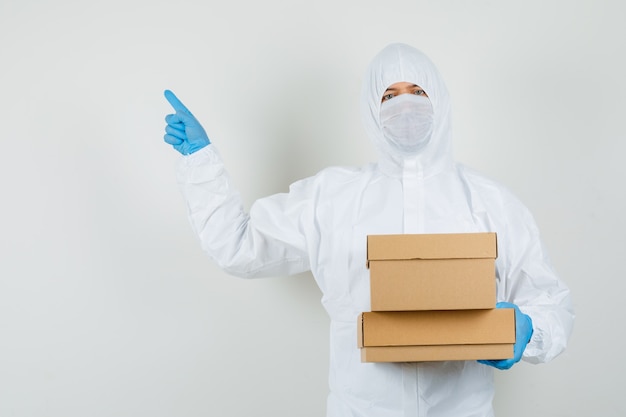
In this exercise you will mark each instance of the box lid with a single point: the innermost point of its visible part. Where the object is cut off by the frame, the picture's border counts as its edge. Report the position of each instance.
(431, 246)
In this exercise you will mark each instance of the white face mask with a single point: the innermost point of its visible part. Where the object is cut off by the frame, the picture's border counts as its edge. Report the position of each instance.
(407, 122)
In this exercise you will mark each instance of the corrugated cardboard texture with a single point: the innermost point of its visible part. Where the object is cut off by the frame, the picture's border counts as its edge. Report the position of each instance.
(454, 327)
(436, 353)
(432, 246)
(452, 284)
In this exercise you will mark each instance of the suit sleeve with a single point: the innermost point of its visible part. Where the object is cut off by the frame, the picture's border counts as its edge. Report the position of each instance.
(270, 240)
(529, 280)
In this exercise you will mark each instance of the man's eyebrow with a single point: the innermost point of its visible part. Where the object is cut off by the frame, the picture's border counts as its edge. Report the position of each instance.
(395, 89)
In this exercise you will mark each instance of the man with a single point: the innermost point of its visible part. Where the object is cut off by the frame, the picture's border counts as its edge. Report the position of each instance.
(321, 225)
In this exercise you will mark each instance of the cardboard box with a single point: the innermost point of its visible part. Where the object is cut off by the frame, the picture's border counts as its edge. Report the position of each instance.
(415, 336)
(453, 271)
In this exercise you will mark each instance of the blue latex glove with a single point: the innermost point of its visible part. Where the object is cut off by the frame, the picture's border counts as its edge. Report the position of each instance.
(183, 131)
(523, 333)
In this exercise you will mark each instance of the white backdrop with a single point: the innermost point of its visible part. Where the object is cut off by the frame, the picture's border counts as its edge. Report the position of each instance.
(108, 307)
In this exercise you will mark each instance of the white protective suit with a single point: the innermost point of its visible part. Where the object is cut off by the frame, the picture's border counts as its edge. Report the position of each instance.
(321, 225)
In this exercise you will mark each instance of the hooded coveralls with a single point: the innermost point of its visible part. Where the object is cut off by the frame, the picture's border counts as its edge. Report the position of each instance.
(321, 225)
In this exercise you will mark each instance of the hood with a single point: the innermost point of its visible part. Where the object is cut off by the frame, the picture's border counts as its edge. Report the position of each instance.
(396, 63)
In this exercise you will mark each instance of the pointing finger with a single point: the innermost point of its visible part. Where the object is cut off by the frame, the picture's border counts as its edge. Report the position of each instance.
(175, 102)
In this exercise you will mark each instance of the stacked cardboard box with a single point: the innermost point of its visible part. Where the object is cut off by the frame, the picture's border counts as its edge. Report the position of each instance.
(433, 298)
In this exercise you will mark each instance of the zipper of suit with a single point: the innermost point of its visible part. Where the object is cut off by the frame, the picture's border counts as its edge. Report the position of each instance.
(413, 195)
(413, 222)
